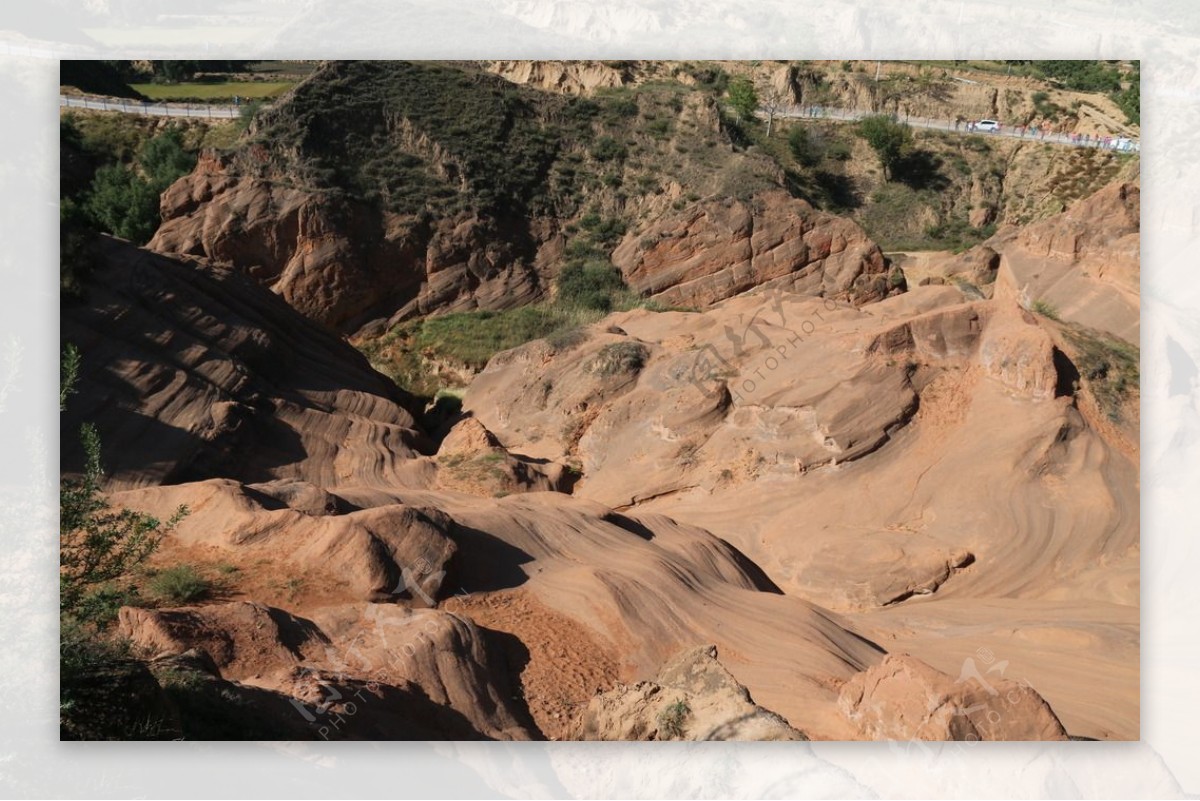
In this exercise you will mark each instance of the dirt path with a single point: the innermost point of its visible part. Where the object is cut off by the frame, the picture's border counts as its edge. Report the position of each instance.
(559, 665)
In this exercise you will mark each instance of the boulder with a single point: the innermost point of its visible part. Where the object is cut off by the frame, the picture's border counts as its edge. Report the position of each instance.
(693, 698)
(718, 248)
(902, 698)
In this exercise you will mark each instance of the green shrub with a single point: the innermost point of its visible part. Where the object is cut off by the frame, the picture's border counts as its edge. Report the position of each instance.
(743, 98)
(123, 203)
(608, 149)
(179, 584)
(124, 200)
(618, 106)
(603, 231)
(590, 285)
(659, 128)
(164, 159)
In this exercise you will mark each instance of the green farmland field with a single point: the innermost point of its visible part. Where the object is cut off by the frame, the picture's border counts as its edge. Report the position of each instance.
(223, 91)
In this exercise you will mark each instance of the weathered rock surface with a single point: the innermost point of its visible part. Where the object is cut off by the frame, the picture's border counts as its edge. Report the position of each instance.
(346, 264)
(191, 371)
(644, 588)
(693, 698)
(568, 77)
(912, 454)
(719, 248)
(349, 672)
(903, 698)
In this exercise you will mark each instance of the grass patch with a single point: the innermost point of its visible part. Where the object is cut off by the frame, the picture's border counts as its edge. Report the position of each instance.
(408, 352)
(893, 220)
(1045, 308)
(212, 91)
(471, 338)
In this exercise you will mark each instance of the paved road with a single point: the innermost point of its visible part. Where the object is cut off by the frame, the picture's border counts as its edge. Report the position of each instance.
(1007, 131)
(212, 111)
(205, 110)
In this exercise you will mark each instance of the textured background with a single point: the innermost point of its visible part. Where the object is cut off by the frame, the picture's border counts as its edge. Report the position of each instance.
(1165, 34)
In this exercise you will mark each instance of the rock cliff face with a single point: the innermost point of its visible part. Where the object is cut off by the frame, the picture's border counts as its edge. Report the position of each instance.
(343, 262)
(568, 77)
(346, 266)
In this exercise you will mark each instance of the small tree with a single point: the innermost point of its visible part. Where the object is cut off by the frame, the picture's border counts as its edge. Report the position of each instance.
(890, 140)
(773, 102)
(99, 547)
(743, 97)
(804, 149)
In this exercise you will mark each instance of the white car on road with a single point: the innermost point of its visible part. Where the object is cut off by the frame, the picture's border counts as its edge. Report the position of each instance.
(987, 125)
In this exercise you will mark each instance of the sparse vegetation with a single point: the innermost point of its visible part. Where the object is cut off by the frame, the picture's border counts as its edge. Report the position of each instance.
(619, 357)
(567, 338)
(1080, 75)
(803, 148)
(671, 720)
(1109, 367)
(1129, 99)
